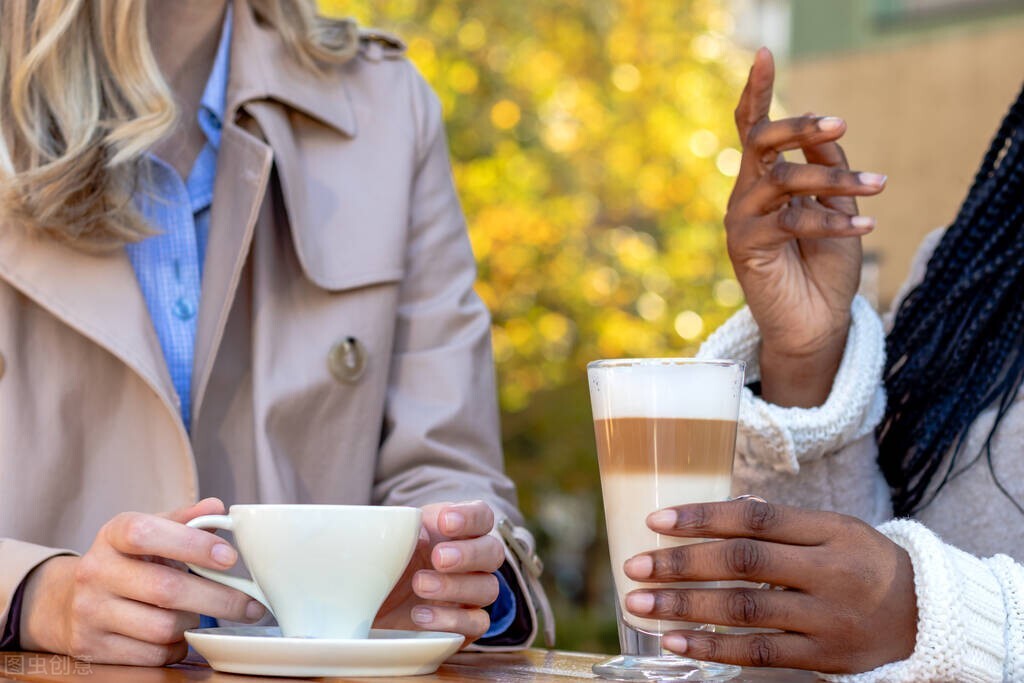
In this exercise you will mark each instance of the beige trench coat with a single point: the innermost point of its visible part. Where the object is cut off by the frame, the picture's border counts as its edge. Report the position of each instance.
(334, 218)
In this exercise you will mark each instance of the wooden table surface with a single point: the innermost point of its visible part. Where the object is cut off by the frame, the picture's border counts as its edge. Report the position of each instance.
(531, 665)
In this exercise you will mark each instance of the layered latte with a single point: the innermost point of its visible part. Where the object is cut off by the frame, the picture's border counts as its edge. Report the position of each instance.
(665, 436)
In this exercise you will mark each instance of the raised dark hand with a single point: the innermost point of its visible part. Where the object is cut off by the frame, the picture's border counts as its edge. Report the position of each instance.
(794, 240)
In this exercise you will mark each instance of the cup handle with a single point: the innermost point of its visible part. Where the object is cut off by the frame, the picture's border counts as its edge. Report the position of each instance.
(247, 586)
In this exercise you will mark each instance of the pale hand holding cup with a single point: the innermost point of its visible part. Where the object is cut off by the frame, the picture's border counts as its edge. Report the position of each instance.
(450, 578)
(128, 600)
(325, 570)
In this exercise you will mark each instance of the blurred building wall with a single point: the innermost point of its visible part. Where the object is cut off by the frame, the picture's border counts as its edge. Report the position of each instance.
(923, 85)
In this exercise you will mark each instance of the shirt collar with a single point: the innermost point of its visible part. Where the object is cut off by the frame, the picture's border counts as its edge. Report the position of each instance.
(213, 103)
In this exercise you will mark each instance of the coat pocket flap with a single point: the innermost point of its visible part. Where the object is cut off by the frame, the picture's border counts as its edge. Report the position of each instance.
(346, 239)
(348, 206)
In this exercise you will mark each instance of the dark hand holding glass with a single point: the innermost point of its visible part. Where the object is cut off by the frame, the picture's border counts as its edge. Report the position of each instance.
(848, 606)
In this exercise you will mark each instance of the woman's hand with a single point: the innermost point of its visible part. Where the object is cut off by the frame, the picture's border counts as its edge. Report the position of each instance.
(451, 575)
(129, 599)
(794, 241)
(849, 604)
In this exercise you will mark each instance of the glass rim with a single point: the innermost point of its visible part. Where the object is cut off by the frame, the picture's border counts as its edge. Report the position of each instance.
(648, 362)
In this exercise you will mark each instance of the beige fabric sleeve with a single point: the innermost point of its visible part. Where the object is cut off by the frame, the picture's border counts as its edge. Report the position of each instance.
(17, 560)
(442, 438)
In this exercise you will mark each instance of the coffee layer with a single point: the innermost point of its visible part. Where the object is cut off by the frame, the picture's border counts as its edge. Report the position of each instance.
(665, 445)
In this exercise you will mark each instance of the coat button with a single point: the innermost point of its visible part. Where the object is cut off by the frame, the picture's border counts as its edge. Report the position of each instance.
(347, 360)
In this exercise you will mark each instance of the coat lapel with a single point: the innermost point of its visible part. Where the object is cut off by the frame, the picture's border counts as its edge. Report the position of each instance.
(243, 172)
(264, 82)
(97, 295)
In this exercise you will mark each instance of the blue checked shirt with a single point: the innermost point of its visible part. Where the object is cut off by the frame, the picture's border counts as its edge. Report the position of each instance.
(169, 265)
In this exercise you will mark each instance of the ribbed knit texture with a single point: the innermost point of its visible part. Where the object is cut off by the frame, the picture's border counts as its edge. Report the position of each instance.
(961, 614)
(970, 611)
(1011, 578)
(780, 438)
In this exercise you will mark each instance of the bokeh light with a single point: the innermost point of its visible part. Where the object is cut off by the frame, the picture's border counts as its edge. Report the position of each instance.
(593, 150)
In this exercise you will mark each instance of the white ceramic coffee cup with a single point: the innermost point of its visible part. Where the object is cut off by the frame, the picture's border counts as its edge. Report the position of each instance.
(322, 570)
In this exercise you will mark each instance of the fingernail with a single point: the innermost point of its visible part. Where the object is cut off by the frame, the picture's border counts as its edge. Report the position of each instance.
(422, 615)
(454, 522)
(674, 642)
(830, 123)
(662, 520)
(861, 222)
(640, 603)
(222, 553)
(872, 179)
(448, 557)
(254, 610)
(428, 583)
(639, 567)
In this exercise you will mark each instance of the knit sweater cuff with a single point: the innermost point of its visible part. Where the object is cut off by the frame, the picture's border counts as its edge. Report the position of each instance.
(960, 614)
(780, 438)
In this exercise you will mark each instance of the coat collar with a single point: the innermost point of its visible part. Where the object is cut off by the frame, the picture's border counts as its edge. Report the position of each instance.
(263, 68)
(95, 294)
(99, 296)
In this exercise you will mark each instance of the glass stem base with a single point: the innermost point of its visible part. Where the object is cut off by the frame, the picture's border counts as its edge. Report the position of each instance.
(643, 659)
(663, 668)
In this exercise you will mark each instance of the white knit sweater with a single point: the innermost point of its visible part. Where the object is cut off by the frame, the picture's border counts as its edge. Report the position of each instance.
(970, 610)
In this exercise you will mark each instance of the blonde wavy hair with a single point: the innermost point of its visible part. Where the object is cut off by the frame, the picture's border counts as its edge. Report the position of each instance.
(82, 100)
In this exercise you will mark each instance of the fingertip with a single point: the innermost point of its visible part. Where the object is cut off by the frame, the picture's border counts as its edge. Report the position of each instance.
(674, 642)
(422, 615)
(875, 181)
(223, 554)
(446, 556)
(662, 520)
(454, 523)
(640, 602)
(214, 504)
(488, 513)
(830, 124)
(255, 610)
(426, 583)
(639, 567)
(206, 506)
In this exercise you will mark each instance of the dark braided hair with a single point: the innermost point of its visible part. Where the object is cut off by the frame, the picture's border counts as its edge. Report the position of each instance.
(956, 347)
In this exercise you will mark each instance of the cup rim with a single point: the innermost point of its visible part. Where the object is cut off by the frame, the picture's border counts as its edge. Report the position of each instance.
(321, 507)
(648, 362)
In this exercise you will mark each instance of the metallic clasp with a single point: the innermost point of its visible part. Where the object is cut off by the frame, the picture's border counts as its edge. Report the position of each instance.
(528, 559)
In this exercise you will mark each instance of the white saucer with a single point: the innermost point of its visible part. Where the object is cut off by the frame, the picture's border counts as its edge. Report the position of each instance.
(263, 651)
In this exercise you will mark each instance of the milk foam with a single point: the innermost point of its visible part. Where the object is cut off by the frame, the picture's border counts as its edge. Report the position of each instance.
(668, 389)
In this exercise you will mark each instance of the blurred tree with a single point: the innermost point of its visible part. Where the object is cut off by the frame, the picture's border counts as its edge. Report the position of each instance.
(593, 149)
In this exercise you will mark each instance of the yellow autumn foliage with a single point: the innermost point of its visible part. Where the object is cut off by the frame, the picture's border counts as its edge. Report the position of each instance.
(593, 150)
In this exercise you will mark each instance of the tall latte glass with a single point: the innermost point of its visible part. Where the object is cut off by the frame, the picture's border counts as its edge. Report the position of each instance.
(666, 434)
